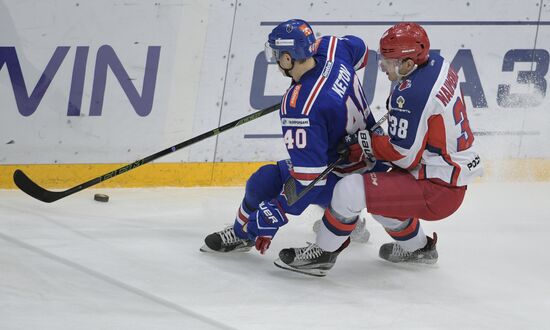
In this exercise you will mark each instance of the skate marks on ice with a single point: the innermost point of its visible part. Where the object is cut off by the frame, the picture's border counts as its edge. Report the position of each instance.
(134, 263)
(187, 313)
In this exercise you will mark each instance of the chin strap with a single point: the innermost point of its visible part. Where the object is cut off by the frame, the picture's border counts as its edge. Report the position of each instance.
(402, 76)
(286, 71)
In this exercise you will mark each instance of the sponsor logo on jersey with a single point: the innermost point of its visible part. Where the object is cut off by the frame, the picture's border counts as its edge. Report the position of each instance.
(326, 69)
(294, 96)
(401, 110)
(295, 122)
(404, 85)
(373, 178)
(305, 30)
(400, 101)
(471, 165)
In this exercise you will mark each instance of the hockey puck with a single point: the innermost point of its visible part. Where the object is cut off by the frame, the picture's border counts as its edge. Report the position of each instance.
(101, 198)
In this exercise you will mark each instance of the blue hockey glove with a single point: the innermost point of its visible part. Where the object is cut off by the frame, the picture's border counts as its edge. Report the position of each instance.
(351, 149)
(263, 224)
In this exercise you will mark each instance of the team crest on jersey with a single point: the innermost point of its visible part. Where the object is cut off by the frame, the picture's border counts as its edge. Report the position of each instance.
(404, 85)
(400, 101)
(305, 30)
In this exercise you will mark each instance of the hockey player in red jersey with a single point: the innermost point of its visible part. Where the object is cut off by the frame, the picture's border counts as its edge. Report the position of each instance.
(431, 146)
(323, 104)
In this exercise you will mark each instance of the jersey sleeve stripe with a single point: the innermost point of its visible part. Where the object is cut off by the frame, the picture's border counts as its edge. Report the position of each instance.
(422, 172)
(363, 61)
(350, 168)
(456, 169)
(283, 102)
(317, 170)
(307, 178)
(416, 160)
(313, 95)
(439, 139)
(322, 78)
(384, 150)
(319, 183)
(332, 49)
(242, 216)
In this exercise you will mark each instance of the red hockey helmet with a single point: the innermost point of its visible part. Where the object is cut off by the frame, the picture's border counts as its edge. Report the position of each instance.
(405, 40)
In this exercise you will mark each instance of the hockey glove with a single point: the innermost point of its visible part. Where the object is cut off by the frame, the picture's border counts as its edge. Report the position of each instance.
(350, 148)
(359, 146)
(263, 224)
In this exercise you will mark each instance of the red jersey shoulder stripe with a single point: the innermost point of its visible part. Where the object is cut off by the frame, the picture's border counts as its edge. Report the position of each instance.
(283, 102)
(322, 78)
(363, 61)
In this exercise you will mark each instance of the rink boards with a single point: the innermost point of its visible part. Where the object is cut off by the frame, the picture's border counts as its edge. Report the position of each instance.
(87, 88)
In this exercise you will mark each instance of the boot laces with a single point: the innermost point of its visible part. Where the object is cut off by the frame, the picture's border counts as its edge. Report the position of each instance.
(399, 251)
(312, 251)
(228, 236)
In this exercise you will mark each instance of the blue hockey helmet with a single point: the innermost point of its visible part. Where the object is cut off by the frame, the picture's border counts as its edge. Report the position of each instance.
(294, 36)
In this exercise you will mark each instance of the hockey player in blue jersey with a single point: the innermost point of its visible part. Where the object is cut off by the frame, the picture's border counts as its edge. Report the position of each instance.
(324, 103)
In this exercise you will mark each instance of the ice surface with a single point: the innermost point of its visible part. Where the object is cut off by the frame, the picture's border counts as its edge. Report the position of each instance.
(134, 263)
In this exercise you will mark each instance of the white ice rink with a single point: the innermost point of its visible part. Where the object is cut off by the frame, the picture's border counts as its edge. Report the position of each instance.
(134, 263)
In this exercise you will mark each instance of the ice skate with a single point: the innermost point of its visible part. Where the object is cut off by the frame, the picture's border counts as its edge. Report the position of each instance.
(359, 235)
(393, 252)
(226, 241)
(310, 260)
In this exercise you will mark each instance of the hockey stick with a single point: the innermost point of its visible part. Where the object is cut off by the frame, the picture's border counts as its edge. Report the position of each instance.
(292, 196)
(34, 190)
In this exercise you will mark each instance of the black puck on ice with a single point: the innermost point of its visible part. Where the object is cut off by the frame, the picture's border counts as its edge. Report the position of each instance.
(101, 198)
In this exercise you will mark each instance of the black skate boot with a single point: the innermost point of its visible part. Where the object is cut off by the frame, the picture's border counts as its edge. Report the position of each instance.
(393, 252)
(310, 260)
(226, 241)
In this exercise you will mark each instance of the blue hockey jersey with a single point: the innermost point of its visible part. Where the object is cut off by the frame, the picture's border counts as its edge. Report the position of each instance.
(319, 110)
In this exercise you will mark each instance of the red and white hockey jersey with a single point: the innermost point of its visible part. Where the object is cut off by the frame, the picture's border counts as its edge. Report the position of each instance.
(429, 132)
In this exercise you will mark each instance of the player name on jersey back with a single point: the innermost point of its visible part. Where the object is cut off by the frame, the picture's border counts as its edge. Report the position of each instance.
(342, 82)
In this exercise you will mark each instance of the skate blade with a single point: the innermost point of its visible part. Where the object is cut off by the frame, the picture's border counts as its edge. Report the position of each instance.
(205, 248)
(426, 262)
(312, 272)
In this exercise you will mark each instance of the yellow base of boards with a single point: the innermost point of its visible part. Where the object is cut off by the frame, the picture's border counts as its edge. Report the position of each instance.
(218, 174)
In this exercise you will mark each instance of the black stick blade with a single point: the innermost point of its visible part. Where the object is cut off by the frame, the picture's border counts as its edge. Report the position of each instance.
(290, 191)
(32, 189)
